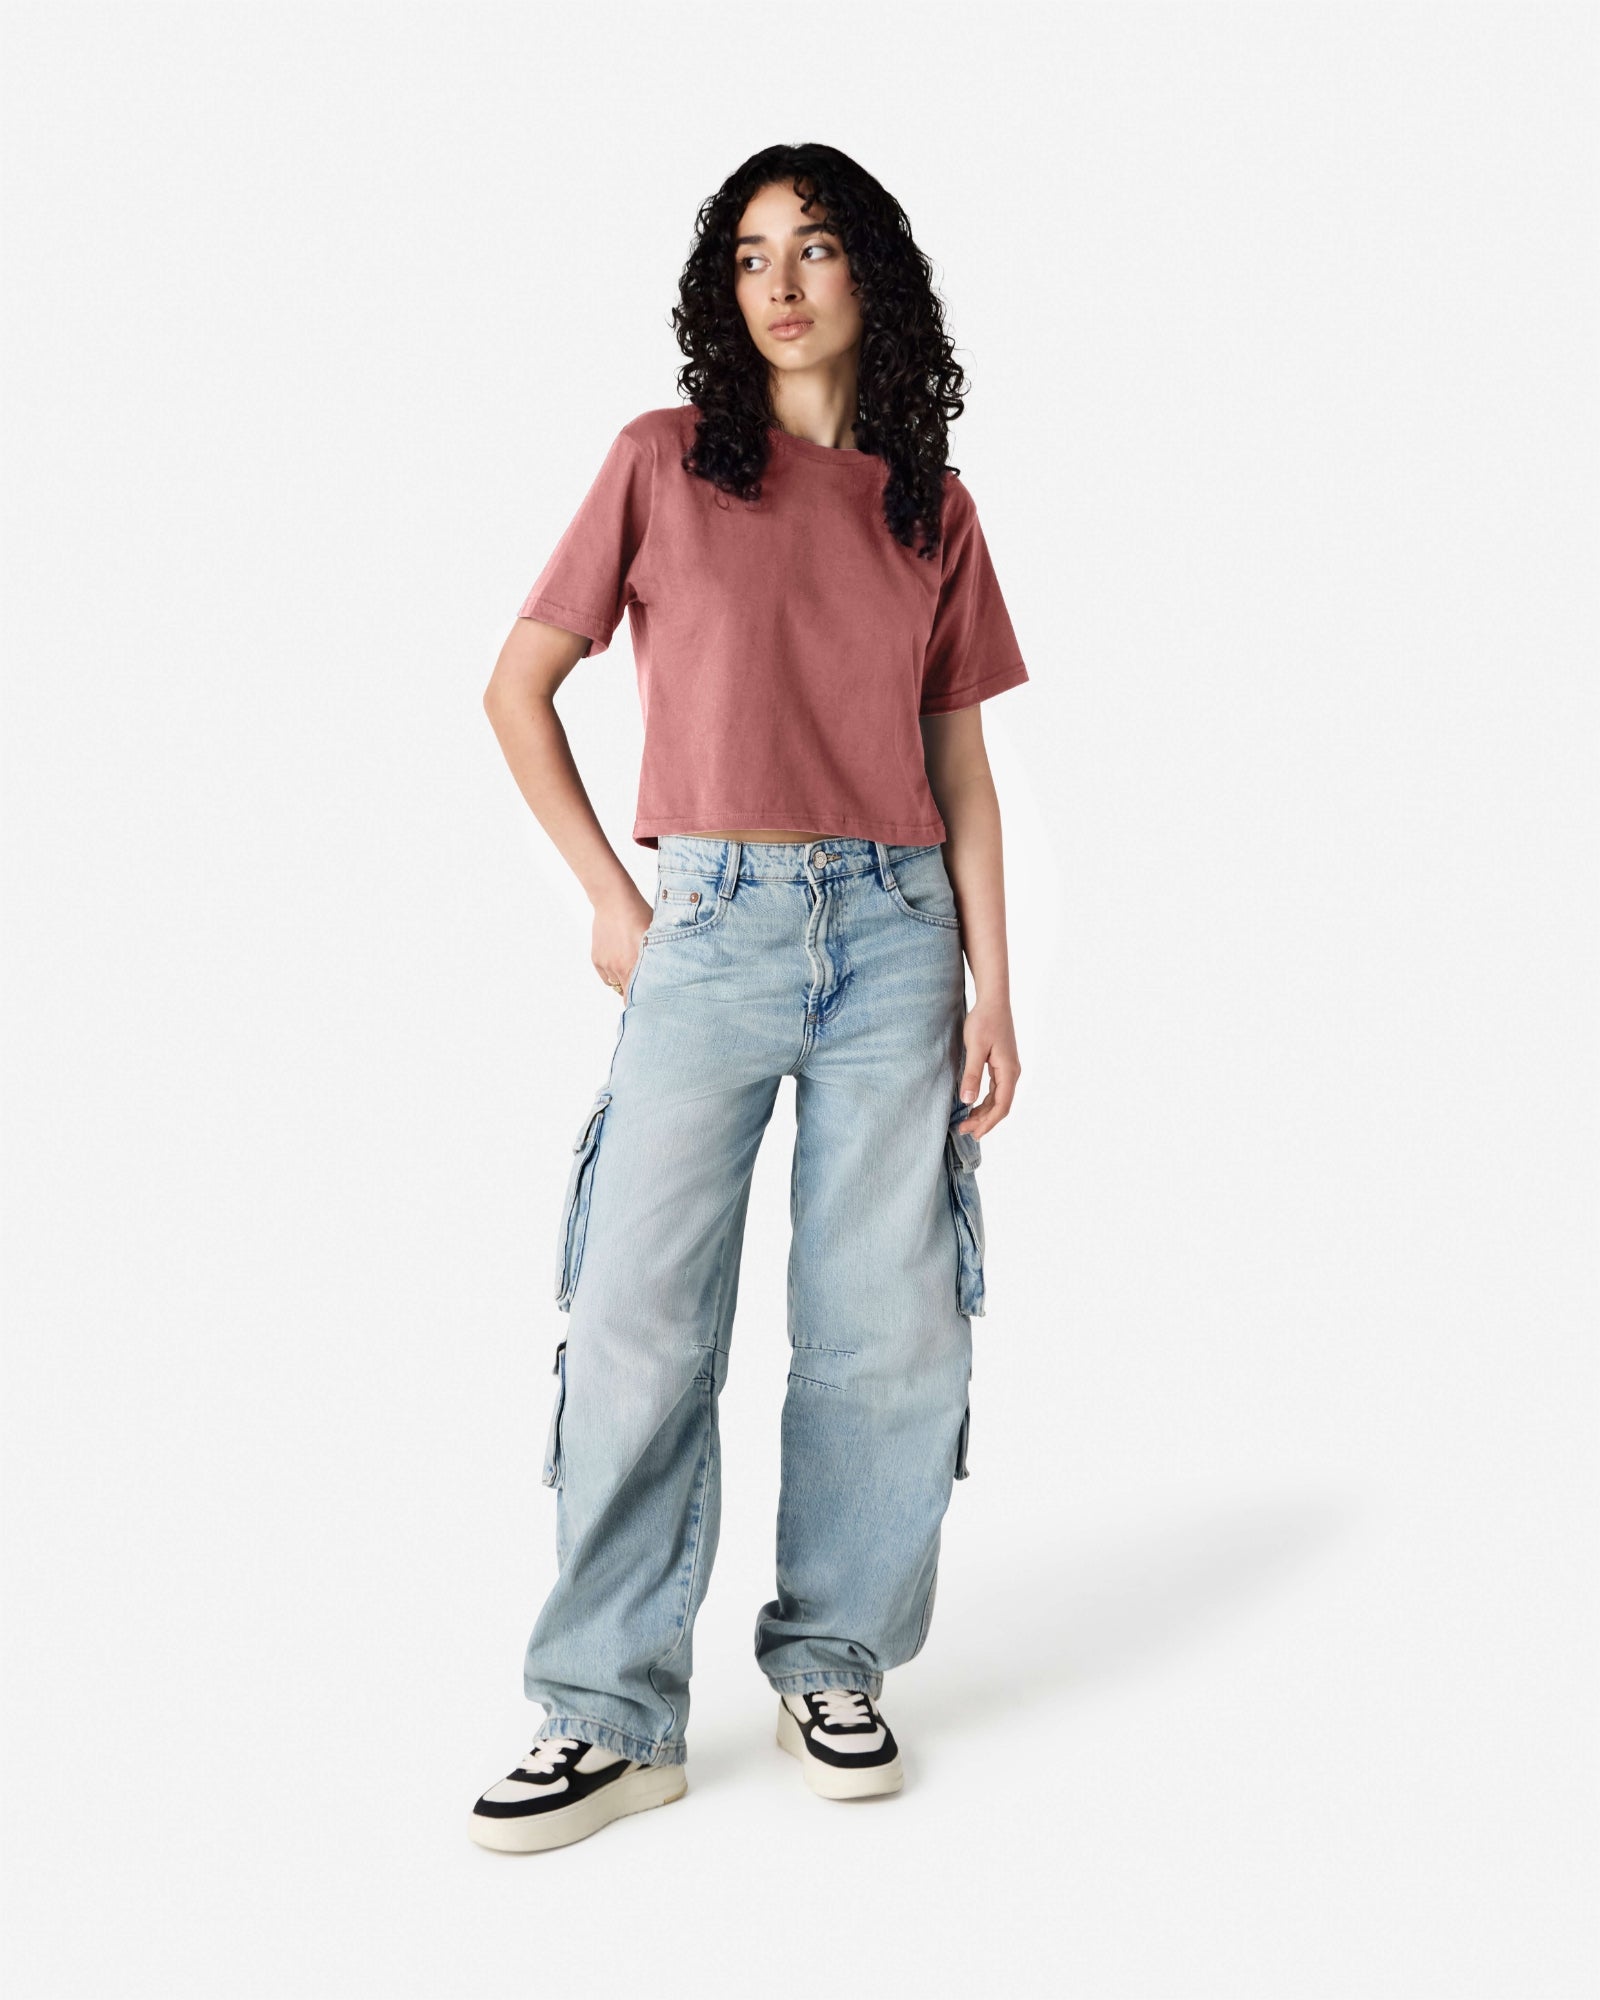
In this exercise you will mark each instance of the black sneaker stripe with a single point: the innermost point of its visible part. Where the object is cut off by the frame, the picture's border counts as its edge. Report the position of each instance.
(580, 1786)
(815, 1737)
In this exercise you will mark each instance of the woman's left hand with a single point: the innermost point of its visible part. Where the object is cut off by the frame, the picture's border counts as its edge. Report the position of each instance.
(990, 1039)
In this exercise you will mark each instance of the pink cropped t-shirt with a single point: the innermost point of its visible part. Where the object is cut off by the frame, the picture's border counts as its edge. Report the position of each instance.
(784, 647)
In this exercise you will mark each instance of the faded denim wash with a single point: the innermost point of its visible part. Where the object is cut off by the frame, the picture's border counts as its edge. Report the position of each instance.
(837, 962)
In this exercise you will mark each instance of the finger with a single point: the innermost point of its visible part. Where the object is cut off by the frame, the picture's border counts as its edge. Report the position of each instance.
(619, 981)
(980, 1120)
(997, 1105)
(975, 1124)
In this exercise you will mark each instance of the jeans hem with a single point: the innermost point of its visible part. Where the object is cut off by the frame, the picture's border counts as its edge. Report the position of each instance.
(589, 1730)
(827, 1677)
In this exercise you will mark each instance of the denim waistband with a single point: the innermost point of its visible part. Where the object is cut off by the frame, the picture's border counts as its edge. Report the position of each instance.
(783, 860)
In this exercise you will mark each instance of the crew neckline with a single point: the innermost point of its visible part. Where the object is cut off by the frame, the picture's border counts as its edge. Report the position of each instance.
(824, 454)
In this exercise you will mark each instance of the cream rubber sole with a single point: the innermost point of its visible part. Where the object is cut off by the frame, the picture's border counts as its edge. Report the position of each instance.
(827, 1779)
(650, 1785)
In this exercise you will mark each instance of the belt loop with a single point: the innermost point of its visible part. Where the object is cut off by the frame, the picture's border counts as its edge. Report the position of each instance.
(885, 872)
(730, 869)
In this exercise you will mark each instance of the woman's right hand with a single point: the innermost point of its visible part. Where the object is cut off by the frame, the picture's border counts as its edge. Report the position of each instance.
(619, 927)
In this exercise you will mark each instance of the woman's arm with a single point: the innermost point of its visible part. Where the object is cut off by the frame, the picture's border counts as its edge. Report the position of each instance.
(963, 786)
(520, 703)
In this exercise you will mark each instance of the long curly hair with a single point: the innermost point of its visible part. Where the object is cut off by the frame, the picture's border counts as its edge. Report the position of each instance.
(910, 386)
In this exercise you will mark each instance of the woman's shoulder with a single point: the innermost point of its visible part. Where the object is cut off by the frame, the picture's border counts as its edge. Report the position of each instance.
(670, 428)
(958, 501)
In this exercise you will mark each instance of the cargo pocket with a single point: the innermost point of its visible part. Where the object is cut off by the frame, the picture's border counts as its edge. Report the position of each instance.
(575, 1209)
(961, 1441)
(962, 1156)
(551, 1474)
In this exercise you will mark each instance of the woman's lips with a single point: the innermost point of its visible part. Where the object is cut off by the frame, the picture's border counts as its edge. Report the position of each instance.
(790, 329)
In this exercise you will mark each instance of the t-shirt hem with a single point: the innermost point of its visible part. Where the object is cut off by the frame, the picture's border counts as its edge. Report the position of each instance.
(842, 826)
(1004, 677)
(587, 624)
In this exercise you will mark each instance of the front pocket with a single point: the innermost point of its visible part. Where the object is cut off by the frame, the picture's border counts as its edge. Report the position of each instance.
(575, 1208)
(670, 924)
(919, 886)
(677, 907)
(962, 1155)
(922, 916)
(551, 1474)
(684, 903)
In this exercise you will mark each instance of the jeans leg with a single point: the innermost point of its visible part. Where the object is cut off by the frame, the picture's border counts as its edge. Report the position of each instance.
(663, 1191)
(876, 1410)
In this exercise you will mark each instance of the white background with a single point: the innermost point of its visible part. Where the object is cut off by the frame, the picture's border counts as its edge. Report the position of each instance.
(1265, 1639)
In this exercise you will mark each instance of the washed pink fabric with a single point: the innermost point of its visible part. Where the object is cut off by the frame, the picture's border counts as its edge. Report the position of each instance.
(784, 647)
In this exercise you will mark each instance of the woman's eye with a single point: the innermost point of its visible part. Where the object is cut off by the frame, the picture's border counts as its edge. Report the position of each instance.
(751, 258)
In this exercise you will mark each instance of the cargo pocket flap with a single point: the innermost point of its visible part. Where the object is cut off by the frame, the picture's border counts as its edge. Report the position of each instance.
(591, 1120)
(575, 1206)
(962, 1156)
(551, 1474)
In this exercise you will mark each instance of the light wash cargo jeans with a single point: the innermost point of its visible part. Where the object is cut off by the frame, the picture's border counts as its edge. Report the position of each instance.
(839, 963)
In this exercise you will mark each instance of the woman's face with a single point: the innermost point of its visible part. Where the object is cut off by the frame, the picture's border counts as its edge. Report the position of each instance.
(790, 267)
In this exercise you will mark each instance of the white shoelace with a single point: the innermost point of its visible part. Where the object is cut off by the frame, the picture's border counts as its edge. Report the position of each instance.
(546, 1753)
(842, 1707)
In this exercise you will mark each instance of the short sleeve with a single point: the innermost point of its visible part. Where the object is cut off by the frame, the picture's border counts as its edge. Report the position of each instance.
(972, 651)
(589, 580)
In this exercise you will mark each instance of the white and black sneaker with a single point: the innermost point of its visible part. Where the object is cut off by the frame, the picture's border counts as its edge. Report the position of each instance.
(846, 1747)
(565, 1789)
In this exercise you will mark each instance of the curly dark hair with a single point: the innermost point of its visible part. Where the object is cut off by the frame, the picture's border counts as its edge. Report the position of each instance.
(910, 386)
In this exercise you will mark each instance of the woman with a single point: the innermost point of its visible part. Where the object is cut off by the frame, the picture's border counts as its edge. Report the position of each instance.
(815, 620)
